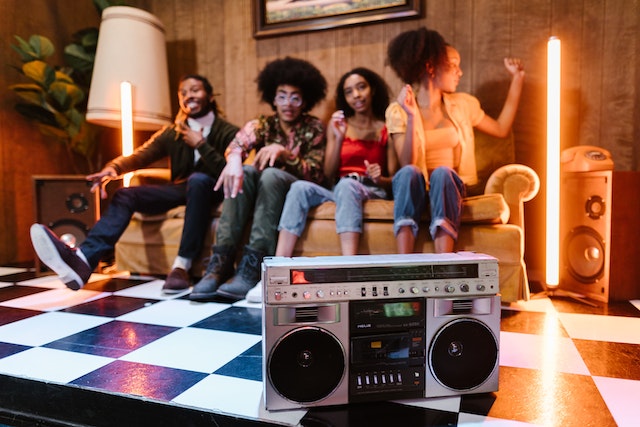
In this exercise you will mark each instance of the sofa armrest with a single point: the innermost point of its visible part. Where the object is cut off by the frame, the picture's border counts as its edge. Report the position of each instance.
(151, 176)
(518, 184)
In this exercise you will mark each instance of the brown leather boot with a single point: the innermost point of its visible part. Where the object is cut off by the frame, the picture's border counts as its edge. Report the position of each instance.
(176, 282)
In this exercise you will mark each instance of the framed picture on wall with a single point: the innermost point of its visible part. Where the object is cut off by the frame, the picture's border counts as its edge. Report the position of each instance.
(280, 17)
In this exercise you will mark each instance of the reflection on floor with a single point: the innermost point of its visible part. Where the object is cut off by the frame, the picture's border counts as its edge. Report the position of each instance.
(119, 352)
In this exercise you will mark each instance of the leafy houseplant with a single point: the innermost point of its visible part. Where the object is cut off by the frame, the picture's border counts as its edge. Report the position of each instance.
(56, 97)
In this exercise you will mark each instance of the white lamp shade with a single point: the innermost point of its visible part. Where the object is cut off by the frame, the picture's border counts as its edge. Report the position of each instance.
(131, 47)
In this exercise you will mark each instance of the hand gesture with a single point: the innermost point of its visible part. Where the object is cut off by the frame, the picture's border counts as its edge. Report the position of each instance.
(192, 138)
(338, 125)
(407, 99)
(374, 171)
(231, 177)
(268, 155)
(514, 66)
(101, 179)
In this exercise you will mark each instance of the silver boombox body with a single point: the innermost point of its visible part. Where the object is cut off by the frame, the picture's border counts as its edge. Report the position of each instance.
(341, 329)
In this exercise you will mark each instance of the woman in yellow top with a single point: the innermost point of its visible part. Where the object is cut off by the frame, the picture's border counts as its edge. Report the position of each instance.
(431, 127)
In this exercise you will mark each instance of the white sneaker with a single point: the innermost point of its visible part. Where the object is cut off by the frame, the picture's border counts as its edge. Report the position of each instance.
(255, 293)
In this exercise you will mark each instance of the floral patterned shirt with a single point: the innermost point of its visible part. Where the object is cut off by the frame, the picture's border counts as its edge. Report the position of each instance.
(306, 144)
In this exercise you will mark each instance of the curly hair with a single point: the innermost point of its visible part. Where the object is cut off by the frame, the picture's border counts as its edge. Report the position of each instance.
(412, 52)
(295, 72)
(379, 90)
(208, 87)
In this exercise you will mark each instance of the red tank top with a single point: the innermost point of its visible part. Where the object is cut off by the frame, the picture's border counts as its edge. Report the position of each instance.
(354, 152)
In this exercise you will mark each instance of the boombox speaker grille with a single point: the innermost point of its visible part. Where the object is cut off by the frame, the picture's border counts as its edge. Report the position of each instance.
(311, 356)
(463, 354)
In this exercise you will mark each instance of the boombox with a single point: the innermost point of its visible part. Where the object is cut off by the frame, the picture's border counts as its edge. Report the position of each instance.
(363, 328)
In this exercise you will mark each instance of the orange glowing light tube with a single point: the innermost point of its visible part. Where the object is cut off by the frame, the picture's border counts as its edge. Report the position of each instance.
(126, 118)
(553, 163)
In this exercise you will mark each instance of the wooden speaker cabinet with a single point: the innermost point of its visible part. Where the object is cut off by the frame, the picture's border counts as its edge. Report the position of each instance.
(625, 237)
(65, 204)
(600, 235)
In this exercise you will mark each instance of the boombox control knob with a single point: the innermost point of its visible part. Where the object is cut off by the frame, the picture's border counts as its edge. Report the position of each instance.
(414, 290)
(306, 295)
(464, 287)
(480, 287)
(320, 293)
(277, 296)
(449, 289)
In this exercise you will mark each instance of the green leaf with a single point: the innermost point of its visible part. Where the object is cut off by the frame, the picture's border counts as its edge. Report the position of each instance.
(63, 76)
(24, 50)
(37, 113)
(87, 38)
(42, 46)
(39, 71)
(74, 122)
(32, 93)
(66, 95)
(78, 58)
(23, 87)
(60, 134)
(85, 142)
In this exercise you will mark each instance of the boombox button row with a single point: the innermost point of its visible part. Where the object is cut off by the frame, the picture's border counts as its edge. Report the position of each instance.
(376, 379)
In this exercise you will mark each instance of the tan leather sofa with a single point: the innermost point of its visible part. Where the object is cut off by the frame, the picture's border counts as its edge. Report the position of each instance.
(493, 223)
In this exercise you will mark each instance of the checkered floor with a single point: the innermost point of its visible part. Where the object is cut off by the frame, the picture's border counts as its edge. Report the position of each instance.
(119, 352)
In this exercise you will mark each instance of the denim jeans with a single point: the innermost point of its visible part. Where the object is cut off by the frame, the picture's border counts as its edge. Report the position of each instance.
(196, 194)
(262, 197)
(348, 194)
(446, 192)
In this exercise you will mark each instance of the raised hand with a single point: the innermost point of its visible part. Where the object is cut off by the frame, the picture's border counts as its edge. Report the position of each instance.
(100, 180)
(407, 99)
(338, 125)
(514, 66)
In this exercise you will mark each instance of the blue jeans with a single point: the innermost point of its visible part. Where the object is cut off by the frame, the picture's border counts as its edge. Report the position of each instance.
(262, 198)
(446, 192)
(348, 194)
(196, 194)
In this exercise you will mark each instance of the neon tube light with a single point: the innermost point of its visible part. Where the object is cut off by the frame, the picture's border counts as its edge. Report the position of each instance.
(126, 119)
(553, 163)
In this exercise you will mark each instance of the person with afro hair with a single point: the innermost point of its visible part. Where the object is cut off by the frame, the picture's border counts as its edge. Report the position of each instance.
(431, 126)
(289, 145)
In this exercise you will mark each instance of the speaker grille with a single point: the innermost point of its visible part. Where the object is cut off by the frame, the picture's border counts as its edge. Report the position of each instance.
(584, 254)
(308, 356)
(65, 204)
(463, 354)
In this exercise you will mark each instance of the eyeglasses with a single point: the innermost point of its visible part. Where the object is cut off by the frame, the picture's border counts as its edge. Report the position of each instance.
(294, 100)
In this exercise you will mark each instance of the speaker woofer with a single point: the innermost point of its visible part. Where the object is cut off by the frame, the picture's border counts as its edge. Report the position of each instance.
(306, 365)
(584, 254)
(463, 354)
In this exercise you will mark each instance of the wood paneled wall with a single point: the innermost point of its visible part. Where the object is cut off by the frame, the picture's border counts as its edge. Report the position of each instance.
(601, 65)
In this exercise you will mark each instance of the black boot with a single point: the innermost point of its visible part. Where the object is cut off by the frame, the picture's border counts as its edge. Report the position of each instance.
(219, 270)
(247, 275)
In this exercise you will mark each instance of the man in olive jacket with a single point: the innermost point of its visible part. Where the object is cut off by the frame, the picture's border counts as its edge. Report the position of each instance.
(195, 145)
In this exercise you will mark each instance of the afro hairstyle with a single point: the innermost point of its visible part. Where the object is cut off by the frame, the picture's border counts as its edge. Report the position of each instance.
(294, 72)
(411, 52)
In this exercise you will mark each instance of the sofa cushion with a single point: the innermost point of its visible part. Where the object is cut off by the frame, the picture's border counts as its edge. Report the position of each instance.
(485, 209)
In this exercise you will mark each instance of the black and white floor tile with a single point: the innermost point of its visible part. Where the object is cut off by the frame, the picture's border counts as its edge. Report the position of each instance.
(119, 352)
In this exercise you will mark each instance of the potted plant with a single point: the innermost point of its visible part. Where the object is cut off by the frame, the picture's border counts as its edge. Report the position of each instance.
(55, 97)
